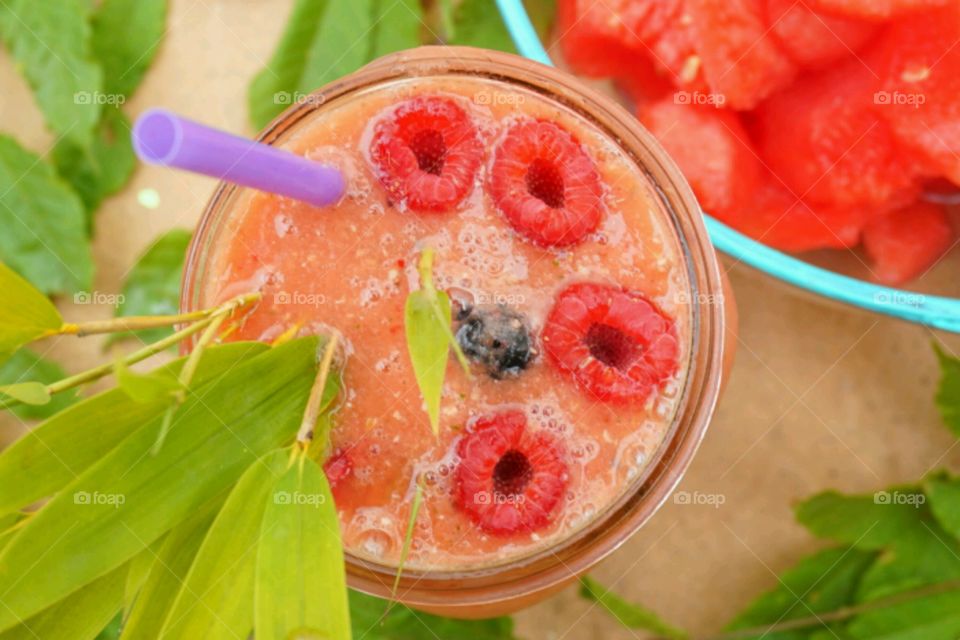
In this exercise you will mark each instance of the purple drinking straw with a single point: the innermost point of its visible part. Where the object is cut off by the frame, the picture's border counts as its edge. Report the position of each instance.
(164, 138)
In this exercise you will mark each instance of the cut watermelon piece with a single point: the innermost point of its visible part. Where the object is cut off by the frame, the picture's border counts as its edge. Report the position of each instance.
(918, 60)
(813, 39)
(740, 57)
(824, 139)
(904, 244)
(874, 9)
(779, 219)
(712, 150)
(625, 39)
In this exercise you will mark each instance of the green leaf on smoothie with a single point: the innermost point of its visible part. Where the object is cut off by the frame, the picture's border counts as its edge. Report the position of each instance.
(43, 224)
(25, 315)
(101, 168)
(408, 536)
(630, 615)
(325, 40)
(130, 498)
(948, 394)
(153, 286)
(126, 37)
(427, 321)
(371, 621)
(51, 44)
(300, 585)
(27, 366)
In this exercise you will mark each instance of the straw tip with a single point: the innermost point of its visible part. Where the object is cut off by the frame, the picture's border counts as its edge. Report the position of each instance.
(157, 136)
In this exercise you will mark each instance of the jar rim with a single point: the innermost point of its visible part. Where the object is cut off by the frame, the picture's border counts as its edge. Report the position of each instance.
(547, 568)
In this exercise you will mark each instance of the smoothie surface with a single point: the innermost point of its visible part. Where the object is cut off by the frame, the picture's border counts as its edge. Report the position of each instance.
(350, 267)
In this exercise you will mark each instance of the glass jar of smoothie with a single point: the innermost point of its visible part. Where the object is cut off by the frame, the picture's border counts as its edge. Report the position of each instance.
(584, 292)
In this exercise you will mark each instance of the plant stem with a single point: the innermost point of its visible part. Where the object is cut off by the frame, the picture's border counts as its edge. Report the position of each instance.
(311, 413)
(131, 323)
(843, 613)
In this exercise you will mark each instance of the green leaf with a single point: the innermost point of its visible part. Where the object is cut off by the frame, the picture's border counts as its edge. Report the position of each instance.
(7, 523)
(126, 37)
(58, 450)
(369, 623)
(396, 26)
(155, 386)
(428, 347)
(632, 616)
(408, 536)
(944, 496)
(30, 393)
(153, 286)
(137, 571)
(823, 582)
(130, 497)
(101, 168)
(50, 42)
(929, 618)
(948, 394)
(25, 315)
(477, 25)
(214, 602)
(165, 578)
(80, 616)
(300, 582)
(325, 40)
(27, 365)
(44, 235)
(916, 549)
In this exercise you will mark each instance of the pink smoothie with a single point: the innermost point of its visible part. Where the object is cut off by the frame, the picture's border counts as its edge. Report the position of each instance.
(349, 268)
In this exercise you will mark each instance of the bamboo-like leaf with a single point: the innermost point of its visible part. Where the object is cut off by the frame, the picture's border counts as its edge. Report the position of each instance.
(64, 446)
(408, 537)
(155, 386)
(129, 498)
(301, 589)
(80, 616)
(137, 571)
(214, 601)
(25, 315)
(165, 578)
(32, 393)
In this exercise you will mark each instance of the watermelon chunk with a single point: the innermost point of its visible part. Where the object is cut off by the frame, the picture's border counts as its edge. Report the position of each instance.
(740, 57)
(902, 245)
(624, 38)
(712, 150)
(813, 39)
(824, 139)
(874, 9)
(918, 61)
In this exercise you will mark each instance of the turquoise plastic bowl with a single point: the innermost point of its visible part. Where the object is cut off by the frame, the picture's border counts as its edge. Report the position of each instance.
(931, 311)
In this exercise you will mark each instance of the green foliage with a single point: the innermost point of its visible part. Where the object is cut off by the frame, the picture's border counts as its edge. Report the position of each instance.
(26, 365)
(371, 621)
(630, 615)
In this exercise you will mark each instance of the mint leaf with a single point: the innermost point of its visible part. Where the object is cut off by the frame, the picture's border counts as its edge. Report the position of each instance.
(368, 622)
(325, 40)
(820, 583)
(632, 616)
(948, 394)
(43, 233)
(101, 168)
(934, 617)
(916, 549)
(944, 495)
(126, 36)
(153, 286)
(25, 365)
(477, 24)
(50, 41)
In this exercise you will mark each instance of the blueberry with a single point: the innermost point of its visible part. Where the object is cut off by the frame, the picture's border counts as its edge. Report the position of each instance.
(496, 337)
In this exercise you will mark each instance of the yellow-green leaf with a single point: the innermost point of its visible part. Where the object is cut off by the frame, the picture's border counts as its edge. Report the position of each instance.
(154, 386)
(25, 315)
(300, 580)
(215, 600)
(129, 497)
(32, 393)
(428, 347)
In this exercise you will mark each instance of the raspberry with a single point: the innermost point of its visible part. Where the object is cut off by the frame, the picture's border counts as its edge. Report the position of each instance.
(546, 184)
(427, 153)
(338, 467)
(614, 343)
(509, 479)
